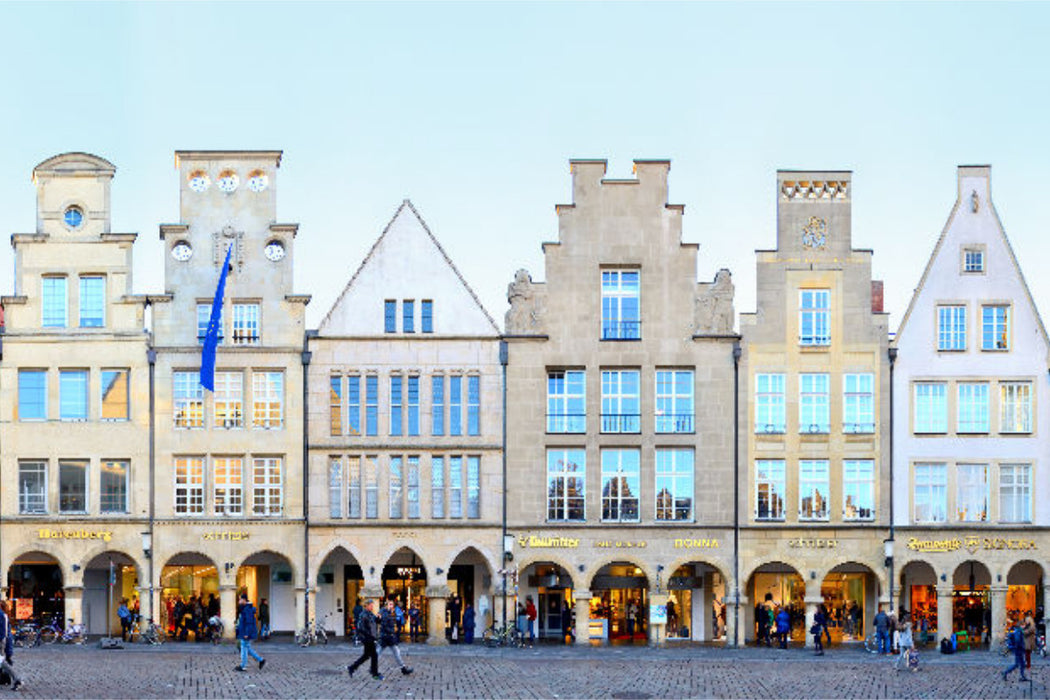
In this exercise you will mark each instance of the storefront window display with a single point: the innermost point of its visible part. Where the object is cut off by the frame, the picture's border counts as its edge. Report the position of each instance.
(924, 609)
(786, 590)
(620, 598)
(408, 586)
(185, 594)
(697, 604)
(37, 590)
(1021, 601)
(844, 595)
(971, 614)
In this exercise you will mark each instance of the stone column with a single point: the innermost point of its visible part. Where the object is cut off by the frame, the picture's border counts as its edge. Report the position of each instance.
(228, 609)
(998, 602)
(735, 626)
(436, 596)
(811, 613)
(582, 608)
(945, 624)
(302, 604)
(74, 607)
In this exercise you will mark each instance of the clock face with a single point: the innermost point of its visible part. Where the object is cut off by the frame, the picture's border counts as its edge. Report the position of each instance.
(815, 233)
(257, 181)
(228, 181)
(199, 181)
(182, 251)
(274, 251)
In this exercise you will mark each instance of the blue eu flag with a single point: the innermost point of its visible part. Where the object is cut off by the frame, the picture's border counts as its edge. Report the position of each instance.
(211, 338)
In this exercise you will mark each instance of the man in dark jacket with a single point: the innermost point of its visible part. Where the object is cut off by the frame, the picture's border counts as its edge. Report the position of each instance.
(246, 632)
(7, 644)
(366, 630)
(388, 637)
(882, 631)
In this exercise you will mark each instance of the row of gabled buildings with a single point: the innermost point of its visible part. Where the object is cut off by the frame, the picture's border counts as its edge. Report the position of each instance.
(622, 443)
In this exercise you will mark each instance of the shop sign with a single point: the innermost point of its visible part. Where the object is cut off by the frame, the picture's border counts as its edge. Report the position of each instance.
(46, 533)
(813, 543)
(408, 571)
(537, 542)
(696, 543)
(657, 614)
(970, 543)
(230, 536)
(23, 608)
(621, 544)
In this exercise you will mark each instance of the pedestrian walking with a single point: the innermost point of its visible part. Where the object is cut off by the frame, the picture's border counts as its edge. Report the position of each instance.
(7, 644)
(124, 614)
(264, 619)
(905, 642)
(468, 624)
(388, 637)
(817, 630)
(824, 625)
(1015, 642)
(246, 632)
(882, 631)
(366, 630)
(783, 627)
(413, 621)
(1028, 629)
(530, 613)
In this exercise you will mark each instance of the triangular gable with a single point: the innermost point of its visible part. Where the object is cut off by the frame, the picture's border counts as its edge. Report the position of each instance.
(407, 262)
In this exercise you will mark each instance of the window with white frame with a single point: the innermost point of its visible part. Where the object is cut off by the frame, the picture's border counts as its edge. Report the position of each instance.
(770, 488)
(566, 401)
(227, 480)
(951, 327)
(335, 488)
(55, 302)
(1015, 407)
(335, 405)
(187, 400)
(228, 399)
(971, 493)
(408, 316)
(353, 486)
(32, 394)
(92, 301)
(115, 395)
(674, 401)
(72, 486)
(32, 487)
(390, 316)
(426, 311)
(113, 486)
(353, 404)
(814, 413)
(566, 476)
(455, 405)
(930, 495)
(473, 404)
(371, 468)
(394, 476)
(395, 404)
(473, 487)
(674, 485)
(814, 322)
(413, 405)
(621, 405)
(437, 404)
(813, 489)
(621, 481)
(203, 320)
(267, 487)
(437, 487)
(1015, 493)
(972, 407)
(621, 307)
(858, 489)
(973, 260)
(412, 485)
(931, 407)
(455, 487)
(371, 405)
(73, 394)
(995, 327)
(858, 403)
(267, 399)
(189, 485)
(246, 324)
(770, 414)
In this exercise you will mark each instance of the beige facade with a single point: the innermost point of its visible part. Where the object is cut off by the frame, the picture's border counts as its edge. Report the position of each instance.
(74, 406)
(620, 420)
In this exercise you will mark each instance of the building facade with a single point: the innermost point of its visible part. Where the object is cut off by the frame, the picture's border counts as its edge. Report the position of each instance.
(970, 455)
(620, 420)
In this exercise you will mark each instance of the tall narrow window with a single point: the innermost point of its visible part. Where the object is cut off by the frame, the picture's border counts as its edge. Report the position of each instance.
(335, 405)
(674, 401)
(371, 487)
(228, 399)
(426, 310)
(203, 319)
(73, 394)
(858, 403)
(931, 407)
(55, 300)
(267, 487)
(566, 401)
(115, 394)
(390, 316)
(769, 489)
(858, 489)
(1015, 407)
(455, 487)
(972, 408)
(455, 405)
(267, 399)
(620, 485)
(995, 327)
(951, 327)
(474, 487)
(971, 495)
(395, 404)
(92, 301)
(335, 488)
(437, 404)
(566, 475)
(1015, 493)
(189, 486)
(674, 485)
(930, 499)
(437, 487)
(353, 487)
(187, 400)
(32, 394)
(473, 405)
(412, 486)
(32, 487)
(353, 404)
(621, 308)
(245, 324)
(395, 487)
(72, 486)
(413, 404)
(813, 489)
(814, 415)
(113, 486)
(770, 413)
(814, 317)
(372, 404)
(621, 406)
(408, 316)
(227, 485)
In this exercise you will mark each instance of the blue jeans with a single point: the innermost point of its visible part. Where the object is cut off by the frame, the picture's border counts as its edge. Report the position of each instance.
(246, 651)
(884, 641)
(1018, 663)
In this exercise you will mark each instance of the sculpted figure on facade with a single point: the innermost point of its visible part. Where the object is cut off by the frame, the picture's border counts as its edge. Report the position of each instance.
(713, 314)
(525, 315)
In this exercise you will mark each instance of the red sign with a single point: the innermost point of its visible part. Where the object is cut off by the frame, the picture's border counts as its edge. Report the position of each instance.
(23, 608)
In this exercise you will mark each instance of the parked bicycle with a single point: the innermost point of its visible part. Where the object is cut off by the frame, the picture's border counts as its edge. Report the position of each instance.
(49, 633)
(74, 633)
(150, 633)
(503, 635)
(314, 633)
(871, 643)
(25, 634)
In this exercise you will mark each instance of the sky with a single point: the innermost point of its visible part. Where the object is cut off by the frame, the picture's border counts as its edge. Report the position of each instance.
(473, 110)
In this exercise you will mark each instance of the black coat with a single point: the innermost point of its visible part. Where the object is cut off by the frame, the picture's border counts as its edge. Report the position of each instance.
(366, 626)
(387, 628)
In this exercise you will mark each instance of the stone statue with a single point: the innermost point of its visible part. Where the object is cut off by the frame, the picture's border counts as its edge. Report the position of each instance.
(714, 305)
(526, 305)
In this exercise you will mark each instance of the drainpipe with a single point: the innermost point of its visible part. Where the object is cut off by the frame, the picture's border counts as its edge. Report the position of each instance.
(305, 356)
(151, 357)
(736, 492)
(504, 354)
(892, 353)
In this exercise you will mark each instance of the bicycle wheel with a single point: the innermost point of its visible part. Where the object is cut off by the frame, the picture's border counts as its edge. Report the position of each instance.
(302, 638)
(871, 644)
(516, 638)
(489, 638)
(47, 636)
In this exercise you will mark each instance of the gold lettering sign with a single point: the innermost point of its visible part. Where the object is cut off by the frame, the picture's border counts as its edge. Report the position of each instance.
(551, 542)
(971, 543)
(621, 544)
(696, 543)
(813, 543)
(230, 536)
(46, 533)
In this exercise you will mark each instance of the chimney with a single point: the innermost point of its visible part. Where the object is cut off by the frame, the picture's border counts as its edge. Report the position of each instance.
(876, 296)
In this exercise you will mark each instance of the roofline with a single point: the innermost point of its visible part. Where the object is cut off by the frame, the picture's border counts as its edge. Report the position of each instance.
(227, 155)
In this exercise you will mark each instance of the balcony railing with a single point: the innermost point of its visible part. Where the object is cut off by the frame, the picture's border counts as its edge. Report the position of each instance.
(858, 428)
(621, 423)
(674, 423)
(566, 422)
(621, 330)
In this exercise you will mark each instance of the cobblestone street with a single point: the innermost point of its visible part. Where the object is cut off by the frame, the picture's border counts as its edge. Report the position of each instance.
(190, 671)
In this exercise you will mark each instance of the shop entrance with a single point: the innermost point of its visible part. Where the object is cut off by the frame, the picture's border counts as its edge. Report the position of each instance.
(35, 588)
(188, 581)
(919, 597)
(696, 600)
(339, 584)
(1024, 592)
(850, 595)
(620, 602)
(773, 587)
(109, 578)
(551, 589)
(971, 603)
(470, 579)
(405, 580)
(267, 578)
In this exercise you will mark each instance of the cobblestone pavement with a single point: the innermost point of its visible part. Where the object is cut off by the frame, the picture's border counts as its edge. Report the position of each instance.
(191, 671)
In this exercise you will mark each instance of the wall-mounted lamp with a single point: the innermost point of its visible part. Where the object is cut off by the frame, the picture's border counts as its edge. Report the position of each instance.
(147, 544)
(439, 571)
(371, 571)
(581, 567)
(228, 566)
(76, 567)
(813, 575)
(944, 577)
(999, 578)
(887, 550)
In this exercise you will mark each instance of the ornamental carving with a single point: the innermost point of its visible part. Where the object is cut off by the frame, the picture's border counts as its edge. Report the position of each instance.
(814, 189)
(525, 316)
(713, 310)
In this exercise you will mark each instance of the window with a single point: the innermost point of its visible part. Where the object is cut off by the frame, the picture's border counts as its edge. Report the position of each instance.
(473, 405)
(769, 494)
(474, 487)
(426, 311)
(931, 407)
(621, 310)
(995, 327)
(770, 415)
(859, 403)
(267, 486)
(395, 487)
(566, 476)
(412, 486)
(973, 260)
(951, 327)
(267, 399)
(113, 486)
(353, 481)
(335, 405)
(245, 324)
(32, 394)
(395, 404)
(73, 394)
(437, 487)
(371, 487)
(335, 488)
(814, 415)
(115, 394)
(372, 405)
(813, 489)
(72, 486)
(621, 408)
(858, 489)
(814, 314)
(620, 485)
(455, 405)
(390, 316)
(437, 404)
(228, 400)
(188, 400)
(674, 485)
(971, 494)
(566, 401)
(227, 485)
(203, 319)
(1015, 493)
(189, 486)
(408, 316)
(32, 487)
(54, 299)
(972, 408)
(931, 493)
(92, 301)
(674, 401)
(413, 404)
(455, 487)
(1015, 407)
(353, 404)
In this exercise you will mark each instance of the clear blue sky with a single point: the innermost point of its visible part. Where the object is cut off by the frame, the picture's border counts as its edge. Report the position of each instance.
(472, 110)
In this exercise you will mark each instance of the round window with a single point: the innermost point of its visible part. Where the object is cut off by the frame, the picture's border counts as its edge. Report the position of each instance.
(73, 217)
